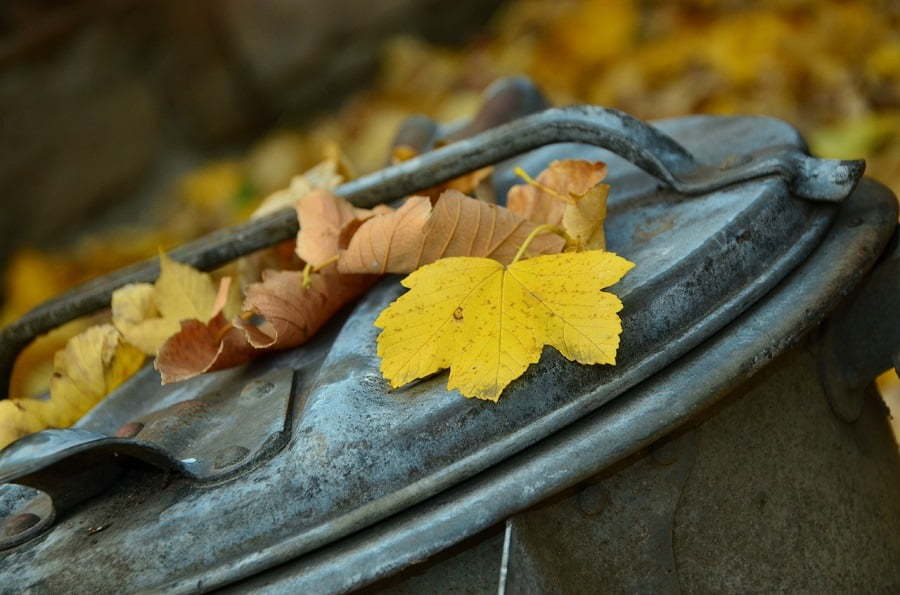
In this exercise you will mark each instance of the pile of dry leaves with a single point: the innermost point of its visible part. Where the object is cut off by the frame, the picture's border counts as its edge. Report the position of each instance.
(489, 287)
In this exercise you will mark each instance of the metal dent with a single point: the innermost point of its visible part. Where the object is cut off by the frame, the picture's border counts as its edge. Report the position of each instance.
(209, 438)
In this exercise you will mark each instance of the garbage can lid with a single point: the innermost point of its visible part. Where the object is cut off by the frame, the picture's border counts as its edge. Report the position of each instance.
(252, 487)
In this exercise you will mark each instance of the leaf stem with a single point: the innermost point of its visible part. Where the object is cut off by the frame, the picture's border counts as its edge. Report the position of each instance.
(532, 182)
(224, 331)
(309, 269)
(535, 233)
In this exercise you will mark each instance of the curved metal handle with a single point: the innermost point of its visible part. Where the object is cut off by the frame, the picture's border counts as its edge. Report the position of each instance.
(637, 141)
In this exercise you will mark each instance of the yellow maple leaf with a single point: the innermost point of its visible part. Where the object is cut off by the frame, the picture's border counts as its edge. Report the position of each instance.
(147, 315)
(488, 322)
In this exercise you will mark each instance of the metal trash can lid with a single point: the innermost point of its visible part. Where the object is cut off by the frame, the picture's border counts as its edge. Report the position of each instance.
(336, 452)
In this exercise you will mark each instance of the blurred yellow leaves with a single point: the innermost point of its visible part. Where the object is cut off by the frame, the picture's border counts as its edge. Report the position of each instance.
(93, 364)
(488, 322)
(17, 420)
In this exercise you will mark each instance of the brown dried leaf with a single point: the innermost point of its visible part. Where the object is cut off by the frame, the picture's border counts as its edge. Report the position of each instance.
(199, 348)
(281, 256)
(293, 313)
(290, 314)
(563, 182)
(205, 347)
(388, 242)
(322, 215)
(325, 176)
(457, 225)
(326, 223)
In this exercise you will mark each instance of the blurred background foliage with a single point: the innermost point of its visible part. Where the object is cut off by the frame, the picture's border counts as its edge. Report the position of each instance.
(830, 68)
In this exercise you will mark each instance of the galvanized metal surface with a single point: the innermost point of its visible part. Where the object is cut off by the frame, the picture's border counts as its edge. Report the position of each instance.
(359, 453)
(863, 338)
(768, 492)
(683, 169)
(186, 438)
(632, 422)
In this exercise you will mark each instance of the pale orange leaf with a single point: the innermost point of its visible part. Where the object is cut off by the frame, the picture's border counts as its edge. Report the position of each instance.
(563, 182)
(457, 225)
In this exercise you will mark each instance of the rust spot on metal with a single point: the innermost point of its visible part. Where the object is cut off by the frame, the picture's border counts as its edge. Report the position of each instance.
(19, 523)
(97, 529)
(129, 430)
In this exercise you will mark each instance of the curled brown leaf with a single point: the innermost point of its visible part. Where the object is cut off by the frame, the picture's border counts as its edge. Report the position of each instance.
(199, 348)
(293, 313)
(325, 219)
(289, 314)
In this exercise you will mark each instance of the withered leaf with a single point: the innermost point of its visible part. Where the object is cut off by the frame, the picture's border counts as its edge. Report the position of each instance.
(584, 220)
(324, 220)
(561, 183)
(293, 313)
(290, 315)
(457, 225)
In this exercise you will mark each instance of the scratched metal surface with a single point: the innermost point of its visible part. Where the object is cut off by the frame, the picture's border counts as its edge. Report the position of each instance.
(859, 492)
(359, 453)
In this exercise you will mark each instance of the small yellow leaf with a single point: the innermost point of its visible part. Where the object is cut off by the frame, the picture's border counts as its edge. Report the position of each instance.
(488, 322)
(93, 364)
(135, 315)
(182, 292)
(147, 315)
